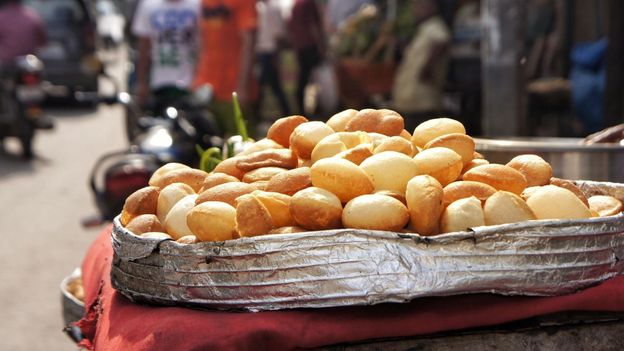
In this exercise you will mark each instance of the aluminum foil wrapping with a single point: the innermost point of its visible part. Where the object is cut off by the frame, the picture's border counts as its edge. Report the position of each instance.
(360, 267)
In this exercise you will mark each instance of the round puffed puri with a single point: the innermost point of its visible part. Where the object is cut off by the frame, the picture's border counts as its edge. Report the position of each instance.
(461, 215)
(341, 177)
(283, 158)
(291, 181)
(282, 129)
(443, 164)
(339, 121)
(305, 137)
(142, 201)
(278, 206)
(316, 209)
(175, 222)
(169, 196)
(386, 122)
(375, 212)
(567, 184)
(190, 176)
(228, 166)
(171, 166)
(433, 128)
(227, 192)
(605, 205)
(144, 224)
(252, 217)
(262, 174)
(553, 202)
(212, 221)
(534, 168)
(458, 142)
(390, 170)
(472, 164)
(396, 143)
(336, 143)
(424, 203)
(498, 176)
(357, 154)
(214, 179)
(466, 188)
(504, 207)
(260, 145)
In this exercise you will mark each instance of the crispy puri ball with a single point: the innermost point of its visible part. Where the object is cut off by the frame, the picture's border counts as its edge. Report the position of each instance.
(142, 201)
(305, 137)
(466, 188)
(386, 122)
(433, 128)
(339, 121)
(462, 215)
(534, 168)
(375, 212)
(424, 203)
(505, 207)
(282, 129)
(316, 209)
(212, 221)
(498, 176)
(553, 202)
(443, 164)
(605, 205)
(291, 181)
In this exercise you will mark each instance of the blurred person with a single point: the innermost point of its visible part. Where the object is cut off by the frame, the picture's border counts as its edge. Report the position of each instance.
(271, 30)
(22, 31)
(307, 38)
(167, 33)
(420, 77)
(466, 62)
(226, 57)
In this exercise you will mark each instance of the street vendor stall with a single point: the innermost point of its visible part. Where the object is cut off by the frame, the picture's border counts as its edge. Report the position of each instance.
(358, 234)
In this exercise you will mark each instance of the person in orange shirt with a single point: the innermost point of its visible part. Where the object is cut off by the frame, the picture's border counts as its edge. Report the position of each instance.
(225, 62)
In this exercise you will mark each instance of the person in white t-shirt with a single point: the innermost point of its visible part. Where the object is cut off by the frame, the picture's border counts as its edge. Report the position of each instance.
(271, 30)
(167, 32)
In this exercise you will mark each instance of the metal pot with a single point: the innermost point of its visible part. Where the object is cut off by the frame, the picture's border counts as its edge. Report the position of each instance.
(568, 157)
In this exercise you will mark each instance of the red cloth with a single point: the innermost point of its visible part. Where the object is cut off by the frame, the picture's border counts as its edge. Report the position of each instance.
(114, 323)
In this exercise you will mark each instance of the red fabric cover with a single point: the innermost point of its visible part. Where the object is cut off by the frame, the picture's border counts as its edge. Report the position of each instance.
(113, 322)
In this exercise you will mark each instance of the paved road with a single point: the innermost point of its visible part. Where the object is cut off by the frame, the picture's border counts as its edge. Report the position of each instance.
(41, 204)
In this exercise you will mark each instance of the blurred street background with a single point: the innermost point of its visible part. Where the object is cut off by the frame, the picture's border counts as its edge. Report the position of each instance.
(153, 79)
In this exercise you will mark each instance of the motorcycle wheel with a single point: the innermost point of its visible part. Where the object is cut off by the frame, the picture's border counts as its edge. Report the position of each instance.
(26, 134)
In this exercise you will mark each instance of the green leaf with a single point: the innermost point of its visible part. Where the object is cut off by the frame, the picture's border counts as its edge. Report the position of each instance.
(241, 128)
(210, 159)
(199, 149)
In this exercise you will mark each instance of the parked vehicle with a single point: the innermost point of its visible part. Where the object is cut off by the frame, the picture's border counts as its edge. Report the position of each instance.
(70, 53)
(177, 124)
(21, 95)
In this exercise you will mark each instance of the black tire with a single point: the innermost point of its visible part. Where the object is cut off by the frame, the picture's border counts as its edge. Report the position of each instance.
(27, 134)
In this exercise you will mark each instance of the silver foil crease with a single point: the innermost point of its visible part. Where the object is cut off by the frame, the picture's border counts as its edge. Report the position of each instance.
(360, 267)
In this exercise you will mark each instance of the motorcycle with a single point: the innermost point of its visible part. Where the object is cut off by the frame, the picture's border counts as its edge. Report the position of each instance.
(21, 97)
(177, 125)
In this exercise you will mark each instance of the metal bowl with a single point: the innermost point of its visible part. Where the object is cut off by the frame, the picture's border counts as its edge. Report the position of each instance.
(569, 158)
(73, 308)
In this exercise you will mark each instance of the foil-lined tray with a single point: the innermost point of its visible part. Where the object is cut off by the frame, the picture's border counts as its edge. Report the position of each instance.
(359, 267)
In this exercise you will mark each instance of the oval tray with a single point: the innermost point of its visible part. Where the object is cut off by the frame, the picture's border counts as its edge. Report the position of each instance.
(359, 267)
